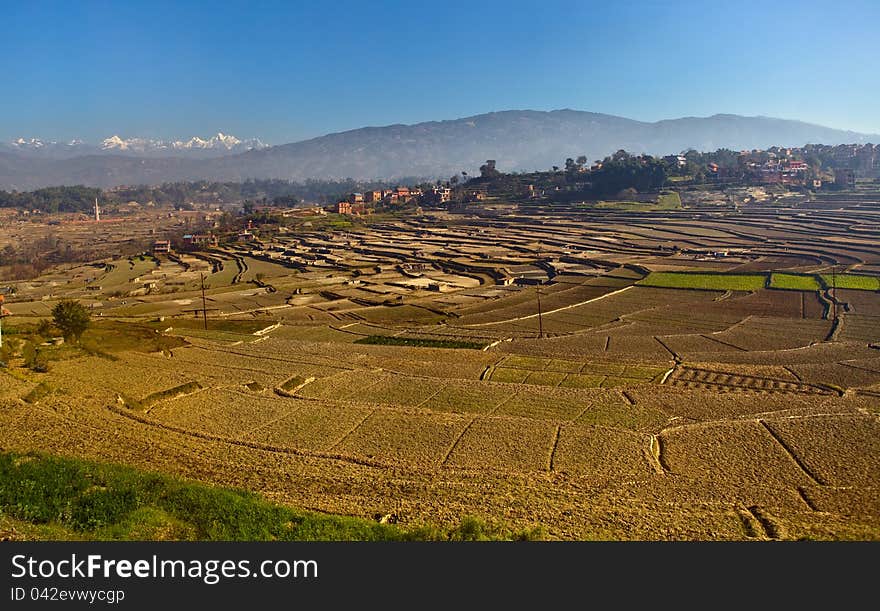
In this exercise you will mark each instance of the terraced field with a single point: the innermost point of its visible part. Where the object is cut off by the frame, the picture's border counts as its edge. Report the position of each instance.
(701, 391)
(705, 282)
(691, 377)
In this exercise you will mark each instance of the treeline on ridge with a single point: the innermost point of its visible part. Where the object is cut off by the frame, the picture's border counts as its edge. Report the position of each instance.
(179, 194)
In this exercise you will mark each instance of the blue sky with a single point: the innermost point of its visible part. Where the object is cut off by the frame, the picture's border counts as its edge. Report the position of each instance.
(286, 71)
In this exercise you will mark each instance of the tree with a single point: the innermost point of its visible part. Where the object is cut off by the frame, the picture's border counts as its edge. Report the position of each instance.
(488, 169)
(285, 201)
(71, 317)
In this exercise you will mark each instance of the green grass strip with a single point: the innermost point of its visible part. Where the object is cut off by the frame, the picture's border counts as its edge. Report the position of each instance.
(854, 282)
(706, 282)
(59, 498)
(385, 340)
(794, 282)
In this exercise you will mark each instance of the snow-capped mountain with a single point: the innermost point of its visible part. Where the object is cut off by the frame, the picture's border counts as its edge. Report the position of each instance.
(30, 143)
(220, 141)
(223, 143)
(37, 144)
(51, 149)
(195, 147)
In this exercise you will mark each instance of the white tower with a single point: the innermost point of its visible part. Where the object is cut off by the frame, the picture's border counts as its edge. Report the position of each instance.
(97, 211)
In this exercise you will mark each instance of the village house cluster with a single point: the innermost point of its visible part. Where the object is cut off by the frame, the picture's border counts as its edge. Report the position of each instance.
(364, 203)
(806, 166)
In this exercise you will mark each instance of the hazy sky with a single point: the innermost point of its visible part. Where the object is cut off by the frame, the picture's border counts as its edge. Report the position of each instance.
(285, 71)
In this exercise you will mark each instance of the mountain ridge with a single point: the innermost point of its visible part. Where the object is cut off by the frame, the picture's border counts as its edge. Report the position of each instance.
(517, 139)
(194, 146)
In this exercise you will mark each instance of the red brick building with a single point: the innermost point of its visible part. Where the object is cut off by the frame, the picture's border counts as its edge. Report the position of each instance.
(351, 208)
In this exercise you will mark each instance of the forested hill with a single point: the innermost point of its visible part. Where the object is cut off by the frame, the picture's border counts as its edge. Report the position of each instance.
(518, 140)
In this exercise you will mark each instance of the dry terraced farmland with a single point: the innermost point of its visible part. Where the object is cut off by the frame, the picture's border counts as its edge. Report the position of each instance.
(699, 392)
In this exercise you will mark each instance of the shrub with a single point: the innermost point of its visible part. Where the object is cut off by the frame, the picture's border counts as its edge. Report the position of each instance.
(44, 328)
(71, 317)
(102, 507)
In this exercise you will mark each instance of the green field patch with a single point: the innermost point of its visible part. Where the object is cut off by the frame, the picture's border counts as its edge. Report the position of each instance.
(704, 282)
(545, 378)
(603, 369)
(384, 340)
(509, 375)
(669, 201)
(525, 362)
(854, 282)
(121, 272)
(564, 366)
(223, 277)
(576, 380)
(665, 201)
(623, 205)
(794, 282)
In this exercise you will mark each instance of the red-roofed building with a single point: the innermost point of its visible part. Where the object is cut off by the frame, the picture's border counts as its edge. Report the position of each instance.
(351, 208)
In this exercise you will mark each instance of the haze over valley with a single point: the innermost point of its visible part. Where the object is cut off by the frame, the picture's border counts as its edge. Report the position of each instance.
(518, 141)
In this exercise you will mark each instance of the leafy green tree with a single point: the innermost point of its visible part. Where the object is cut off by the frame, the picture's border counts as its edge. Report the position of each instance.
(71, 317)
(287, 201)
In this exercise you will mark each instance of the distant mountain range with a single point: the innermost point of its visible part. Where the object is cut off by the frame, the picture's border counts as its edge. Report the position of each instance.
(516, 139)
(193, 148)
